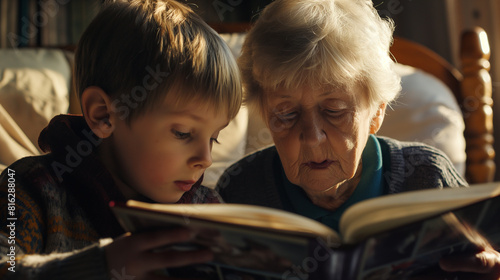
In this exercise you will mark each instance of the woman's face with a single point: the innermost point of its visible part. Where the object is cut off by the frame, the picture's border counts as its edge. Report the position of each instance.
(320, 134)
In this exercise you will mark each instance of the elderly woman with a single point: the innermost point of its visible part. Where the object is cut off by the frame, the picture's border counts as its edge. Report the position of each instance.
(321, 75)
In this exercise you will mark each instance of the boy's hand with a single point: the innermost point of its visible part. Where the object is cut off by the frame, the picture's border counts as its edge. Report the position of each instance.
(482, 265)
(133, 254)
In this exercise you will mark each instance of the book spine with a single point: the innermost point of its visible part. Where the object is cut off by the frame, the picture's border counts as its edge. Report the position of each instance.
(12, 23)
(22, 38)
(44, 24)
(3, 23)
(51, 15)
(61, 25)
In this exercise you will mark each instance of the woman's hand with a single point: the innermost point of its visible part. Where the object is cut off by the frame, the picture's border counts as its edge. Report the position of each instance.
(133, 255)
(483, 265)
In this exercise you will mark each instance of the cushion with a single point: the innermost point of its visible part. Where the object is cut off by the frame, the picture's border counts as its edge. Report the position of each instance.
(34, 86)
(232, 141)
(14, 144)
(234, 41)
(233, 138)
(259, 135)
(426, 111)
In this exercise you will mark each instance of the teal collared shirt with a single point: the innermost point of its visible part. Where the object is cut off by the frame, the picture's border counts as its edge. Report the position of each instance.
(370, 185)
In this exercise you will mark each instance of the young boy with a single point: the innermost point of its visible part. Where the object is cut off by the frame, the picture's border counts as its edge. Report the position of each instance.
(156, 86)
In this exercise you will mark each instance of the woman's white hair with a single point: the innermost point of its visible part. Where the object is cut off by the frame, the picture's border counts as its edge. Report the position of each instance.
(340, 43)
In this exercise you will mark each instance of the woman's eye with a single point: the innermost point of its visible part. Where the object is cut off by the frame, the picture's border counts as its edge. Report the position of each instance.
(334, 113)
(287, 116)
(181, 135)
(212, 140)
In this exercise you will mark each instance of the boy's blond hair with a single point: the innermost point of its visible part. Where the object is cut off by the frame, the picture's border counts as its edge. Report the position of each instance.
(140, 51)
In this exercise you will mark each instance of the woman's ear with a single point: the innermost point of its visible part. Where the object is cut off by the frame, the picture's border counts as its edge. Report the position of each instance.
(97, 110)
(377, 119)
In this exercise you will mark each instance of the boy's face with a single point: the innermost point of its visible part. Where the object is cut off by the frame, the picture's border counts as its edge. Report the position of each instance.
(162, 153)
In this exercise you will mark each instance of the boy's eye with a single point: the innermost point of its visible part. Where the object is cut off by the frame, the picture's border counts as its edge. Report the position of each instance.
(214, 140)
(181, 135)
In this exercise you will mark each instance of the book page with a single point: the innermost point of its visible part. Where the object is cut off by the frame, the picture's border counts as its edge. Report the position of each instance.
(240, 251)
(244, 215)
(236, 250)
(383, 213)
(414, 250)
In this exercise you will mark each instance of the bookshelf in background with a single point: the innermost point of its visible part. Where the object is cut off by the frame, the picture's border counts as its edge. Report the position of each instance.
(60, 23)
(44, 23)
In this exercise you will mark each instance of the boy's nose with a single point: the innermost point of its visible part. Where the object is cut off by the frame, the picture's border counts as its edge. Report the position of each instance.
(202, 157)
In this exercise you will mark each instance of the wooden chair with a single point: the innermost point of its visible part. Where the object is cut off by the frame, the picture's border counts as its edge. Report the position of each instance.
(472, 88)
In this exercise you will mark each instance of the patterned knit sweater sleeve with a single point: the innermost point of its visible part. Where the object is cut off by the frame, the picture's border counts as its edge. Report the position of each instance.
(42, 240)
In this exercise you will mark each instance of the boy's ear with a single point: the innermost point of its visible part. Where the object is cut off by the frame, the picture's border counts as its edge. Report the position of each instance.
(377, 119)
(97, 110)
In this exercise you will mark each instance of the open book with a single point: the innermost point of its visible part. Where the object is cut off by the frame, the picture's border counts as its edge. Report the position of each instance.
(397, 235)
